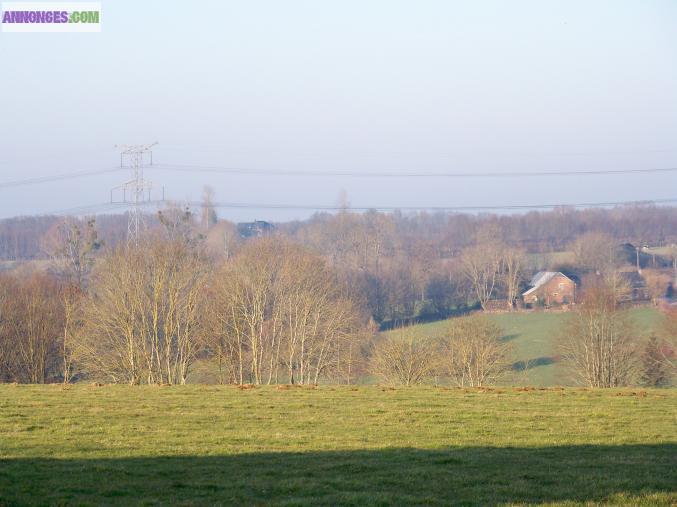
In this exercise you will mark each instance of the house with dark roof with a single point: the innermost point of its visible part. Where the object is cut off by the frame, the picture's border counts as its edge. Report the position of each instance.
(255, 229)
(550, 288)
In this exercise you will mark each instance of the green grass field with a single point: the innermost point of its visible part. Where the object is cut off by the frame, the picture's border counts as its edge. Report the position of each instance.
(209, 445)
(534, 337)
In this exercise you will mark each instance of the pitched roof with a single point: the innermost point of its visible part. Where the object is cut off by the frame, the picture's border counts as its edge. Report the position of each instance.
(537, 276)
(541, 278)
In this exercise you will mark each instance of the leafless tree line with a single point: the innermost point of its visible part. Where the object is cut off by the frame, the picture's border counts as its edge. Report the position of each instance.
(31, 324)
(23, 237)
(277, 313)
(603, 347)
(471, 353)
(140, 321)
(419, 266)
(148, 313)
(271, 311)
(415, 267)
(599, 344)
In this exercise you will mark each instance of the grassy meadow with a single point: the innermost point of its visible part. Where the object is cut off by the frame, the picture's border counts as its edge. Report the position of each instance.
(367, 445)
(534, 338)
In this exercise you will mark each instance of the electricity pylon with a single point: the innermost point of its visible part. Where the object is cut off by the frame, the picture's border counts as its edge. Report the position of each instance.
(134, 191)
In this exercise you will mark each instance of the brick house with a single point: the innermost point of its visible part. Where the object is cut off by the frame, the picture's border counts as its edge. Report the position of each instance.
(550, 288)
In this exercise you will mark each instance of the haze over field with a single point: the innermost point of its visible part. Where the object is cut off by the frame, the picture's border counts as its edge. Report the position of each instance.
(347, 86)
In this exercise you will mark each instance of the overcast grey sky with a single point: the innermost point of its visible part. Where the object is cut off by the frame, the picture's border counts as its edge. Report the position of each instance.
(348, 85)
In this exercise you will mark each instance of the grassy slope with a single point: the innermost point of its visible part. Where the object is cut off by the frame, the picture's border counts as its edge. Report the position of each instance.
(534, 336)
(206, 445)
(664, 251)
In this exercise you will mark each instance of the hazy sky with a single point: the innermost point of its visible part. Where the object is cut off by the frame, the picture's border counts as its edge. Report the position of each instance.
(364, 85)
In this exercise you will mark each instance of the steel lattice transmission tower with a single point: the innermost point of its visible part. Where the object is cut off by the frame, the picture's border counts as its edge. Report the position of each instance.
(137, 190)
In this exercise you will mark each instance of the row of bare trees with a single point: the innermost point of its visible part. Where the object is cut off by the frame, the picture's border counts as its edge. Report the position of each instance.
(277, 313)
(493, 267)
(470, 353)
(599, 345)
(272, 311)
(31, 327)
(537, 231)
(604, 348)
(148, 313)
(142, 314)
(425, 266)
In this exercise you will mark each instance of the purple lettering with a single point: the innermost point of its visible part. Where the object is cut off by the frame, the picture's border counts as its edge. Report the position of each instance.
(35, 17)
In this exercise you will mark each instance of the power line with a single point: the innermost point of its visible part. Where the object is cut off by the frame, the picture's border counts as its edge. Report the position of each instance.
(361, 152)
(57, 177)
(437, 208)
(388, 174)
(91, 208)
(239, 205)
(358, 174)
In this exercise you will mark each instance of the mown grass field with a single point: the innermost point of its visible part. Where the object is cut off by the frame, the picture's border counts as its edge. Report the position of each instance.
(209, 445)
(534, 337)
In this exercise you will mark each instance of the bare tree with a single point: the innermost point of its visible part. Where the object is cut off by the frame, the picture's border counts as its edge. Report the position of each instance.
(178, 224)
(141, 321)
(223, 240)
(473, 352)
(668, 350)
(71, 300)
(6, 346)
(208, 218)
(672, 254)
(249, 312)
(482, 265)
(654, 369)
(598, 253)
(598, 344)
(401, 358)
(71, 248)
(279, 313)
(318, 318)
(31, 327)
(512, 267)
(351, 360)
(657, 283)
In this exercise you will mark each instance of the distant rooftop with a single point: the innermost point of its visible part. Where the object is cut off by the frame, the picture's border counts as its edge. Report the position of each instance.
(254, 229)
(541, 278)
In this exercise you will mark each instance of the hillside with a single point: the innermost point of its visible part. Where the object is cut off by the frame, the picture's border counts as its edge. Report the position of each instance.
(534, 336)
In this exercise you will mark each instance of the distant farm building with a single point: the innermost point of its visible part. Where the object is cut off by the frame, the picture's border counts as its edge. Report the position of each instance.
(550, 288)
(255, 229)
